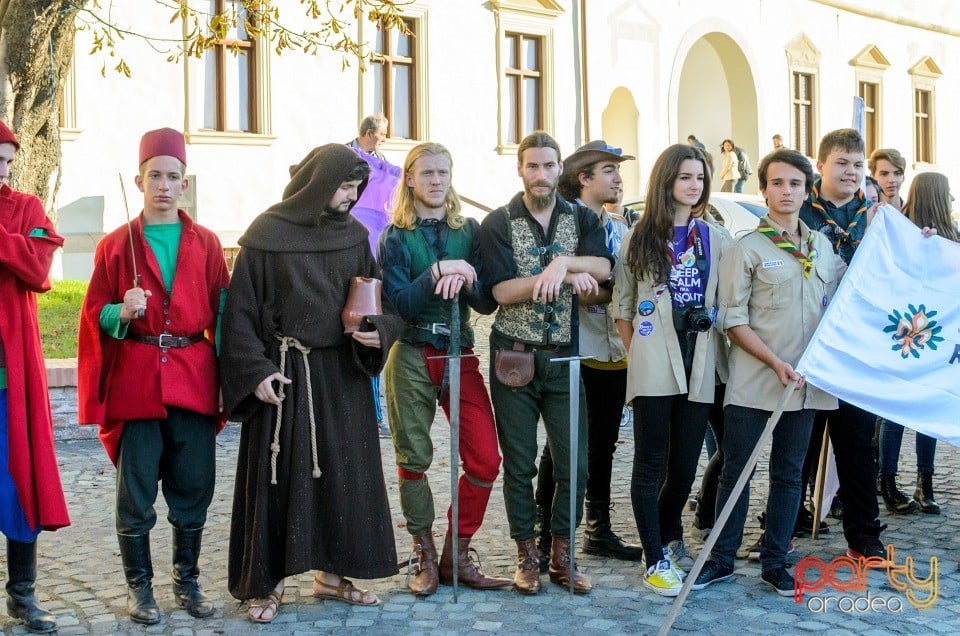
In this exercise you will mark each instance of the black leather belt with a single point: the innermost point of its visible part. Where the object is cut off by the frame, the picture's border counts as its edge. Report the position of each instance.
(546, 347)
(436, 328)
(166, 340)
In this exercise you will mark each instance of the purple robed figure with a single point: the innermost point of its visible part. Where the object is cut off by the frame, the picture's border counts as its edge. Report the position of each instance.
(371, 208)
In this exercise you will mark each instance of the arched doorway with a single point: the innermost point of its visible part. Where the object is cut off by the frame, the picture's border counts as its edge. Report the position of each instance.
(717, 99)
(620, 127)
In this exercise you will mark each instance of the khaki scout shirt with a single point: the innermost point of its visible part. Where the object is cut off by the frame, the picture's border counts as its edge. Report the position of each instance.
(655, 363)
(763, 286)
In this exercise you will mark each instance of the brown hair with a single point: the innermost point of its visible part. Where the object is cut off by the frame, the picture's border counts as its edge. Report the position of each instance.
(928, 204)
(886, 154)
(537, 139)
(847, 139)
(649, 254)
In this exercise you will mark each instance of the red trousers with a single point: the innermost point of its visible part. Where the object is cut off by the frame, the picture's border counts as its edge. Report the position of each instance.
(412, 381)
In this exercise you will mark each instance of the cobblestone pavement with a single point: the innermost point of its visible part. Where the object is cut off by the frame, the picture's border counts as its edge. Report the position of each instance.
(81, 579)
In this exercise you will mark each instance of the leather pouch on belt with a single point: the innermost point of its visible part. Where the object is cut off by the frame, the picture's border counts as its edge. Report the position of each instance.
(514, 367)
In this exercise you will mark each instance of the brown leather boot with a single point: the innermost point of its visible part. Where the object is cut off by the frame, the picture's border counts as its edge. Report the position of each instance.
(468, 570)
(560, 568)
(425, 577)
(527, 577)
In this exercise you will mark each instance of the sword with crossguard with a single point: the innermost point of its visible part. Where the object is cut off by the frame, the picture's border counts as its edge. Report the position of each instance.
(452, 375)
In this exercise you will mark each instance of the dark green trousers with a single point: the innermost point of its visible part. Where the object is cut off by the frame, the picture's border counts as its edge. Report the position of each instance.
(180, 452)
(517, 413)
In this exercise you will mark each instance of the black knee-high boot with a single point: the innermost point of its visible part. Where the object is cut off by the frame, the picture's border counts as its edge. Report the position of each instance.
(186, 573)
(21, 588)
(138, 570)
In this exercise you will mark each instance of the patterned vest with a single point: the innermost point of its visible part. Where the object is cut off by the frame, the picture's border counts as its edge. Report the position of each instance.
(437, 310)
(530, 322)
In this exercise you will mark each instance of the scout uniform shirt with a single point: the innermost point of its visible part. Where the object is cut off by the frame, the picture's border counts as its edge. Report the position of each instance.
(764, 286)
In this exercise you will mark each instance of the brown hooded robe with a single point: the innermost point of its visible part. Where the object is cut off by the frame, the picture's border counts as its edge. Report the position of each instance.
(291, 278)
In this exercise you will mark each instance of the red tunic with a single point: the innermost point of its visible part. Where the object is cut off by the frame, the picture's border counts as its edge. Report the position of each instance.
(24, 267)
(121, 380)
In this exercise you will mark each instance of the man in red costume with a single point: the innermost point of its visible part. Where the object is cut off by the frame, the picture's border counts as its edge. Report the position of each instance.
(31, 497)
(148, 373)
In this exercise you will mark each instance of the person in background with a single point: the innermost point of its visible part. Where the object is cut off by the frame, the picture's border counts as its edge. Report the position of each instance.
(777, 142)
(372, 133)
(929, 204)
(871, 189)
(887, 165)
(693, 141)
(729, 174)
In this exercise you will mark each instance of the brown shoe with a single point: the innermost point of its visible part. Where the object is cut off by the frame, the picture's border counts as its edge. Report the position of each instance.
(527, 577)
(560, 568)
(468, 570)
(425, 577)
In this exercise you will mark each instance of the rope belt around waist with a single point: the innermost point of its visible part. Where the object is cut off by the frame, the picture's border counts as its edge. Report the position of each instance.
(166, 340)
(285, 343)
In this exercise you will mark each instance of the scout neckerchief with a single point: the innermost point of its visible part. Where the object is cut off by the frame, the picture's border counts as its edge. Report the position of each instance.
(696, 241)
(843, 234)
(787, 246)
(646, 307)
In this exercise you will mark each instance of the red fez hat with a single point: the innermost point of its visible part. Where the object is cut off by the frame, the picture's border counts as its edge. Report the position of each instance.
(7, 136)
(163, 142)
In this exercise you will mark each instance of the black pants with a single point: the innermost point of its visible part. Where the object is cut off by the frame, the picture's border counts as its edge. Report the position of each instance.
(661, 423)
(851, 431)
(707, 498)
(180, 451)
(605, 391)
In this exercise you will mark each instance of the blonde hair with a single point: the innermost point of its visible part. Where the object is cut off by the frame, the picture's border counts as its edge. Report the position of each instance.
(403, 214)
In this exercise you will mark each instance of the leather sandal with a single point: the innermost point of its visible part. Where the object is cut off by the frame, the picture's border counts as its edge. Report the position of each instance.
(345, 591)
(269, 602)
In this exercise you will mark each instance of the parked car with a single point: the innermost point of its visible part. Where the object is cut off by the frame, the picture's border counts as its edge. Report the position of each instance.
(737, 212)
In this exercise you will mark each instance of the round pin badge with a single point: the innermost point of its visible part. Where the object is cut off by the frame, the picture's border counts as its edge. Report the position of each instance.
(645, 328)
(646, 308)
(824, 301)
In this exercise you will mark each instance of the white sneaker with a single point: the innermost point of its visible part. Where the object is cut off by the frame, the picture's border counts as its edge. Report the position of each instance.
(677, 553)
(662, 579)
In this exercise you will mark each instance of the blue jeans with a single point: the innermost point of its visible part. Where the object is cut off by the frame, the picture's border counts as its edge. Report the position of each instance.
(891, 435)
(742, 429)
(738, 186)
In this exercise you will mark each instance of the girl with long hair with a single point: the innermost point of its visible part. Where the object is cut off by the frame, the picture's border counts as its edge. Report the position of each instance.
(666, 283)
(928, 205)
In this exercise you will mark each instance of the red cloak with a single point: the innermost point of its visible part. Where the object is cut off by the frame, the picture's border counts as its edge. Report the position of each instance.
(120, 380)
(24, 269)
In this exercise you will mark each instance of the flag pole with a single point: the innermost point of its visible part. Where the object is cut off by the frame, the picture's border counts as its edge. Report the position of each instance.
(727, 508)
(821, 481)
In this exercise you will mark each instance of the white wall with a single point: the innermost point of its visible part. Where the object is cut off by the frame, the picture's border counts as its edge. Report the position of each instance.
(639, 46)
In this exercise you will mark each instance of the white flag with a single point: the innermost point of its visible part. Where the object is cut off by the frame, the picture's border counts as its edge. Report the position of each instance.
(890, 339)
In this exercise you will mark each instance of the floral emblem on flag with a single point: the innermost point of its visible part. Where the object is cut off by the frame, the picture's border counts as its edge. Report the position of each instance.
(913, 331)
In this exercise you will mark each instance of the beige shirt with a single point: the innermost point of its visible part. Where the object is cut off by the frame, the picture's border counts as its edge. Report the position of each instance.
(763, 286)
(598, 332)
(655, 363)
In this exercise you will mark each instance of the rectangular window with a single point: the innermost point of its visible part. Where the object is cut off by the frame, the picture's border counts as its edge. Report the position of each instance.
(803, 103)
(395, 71)
(870, 92)
(524, 85)
(230, 78)
(923, 126)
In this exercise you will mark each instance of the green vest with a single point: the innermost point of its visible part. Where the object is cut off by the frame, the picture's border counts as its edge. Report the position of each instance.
(527, 321)
(436, 310)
